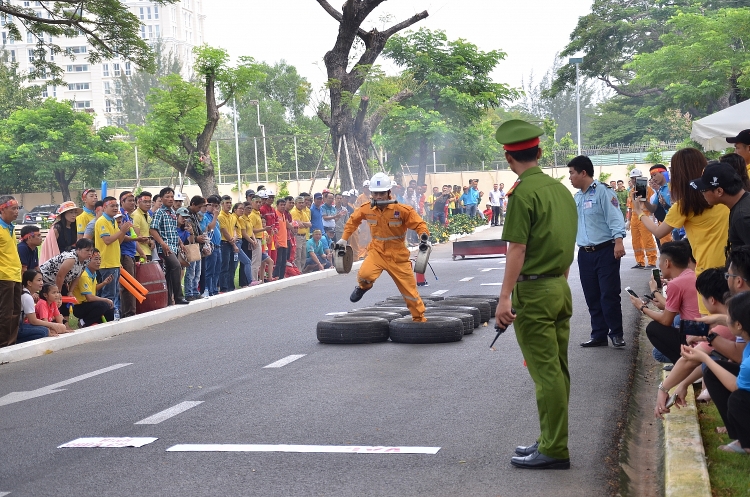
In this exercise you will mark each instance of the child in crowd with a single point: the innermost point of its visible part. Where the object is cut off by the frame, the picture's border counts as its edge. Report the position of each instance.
(266, 263)
(32, 327)
(92, 309)
(48, 308)
(487, 213)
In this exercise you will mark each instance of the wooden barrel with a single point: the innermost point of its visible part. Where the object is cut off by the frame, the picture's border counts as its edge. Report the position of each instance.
(152, 277)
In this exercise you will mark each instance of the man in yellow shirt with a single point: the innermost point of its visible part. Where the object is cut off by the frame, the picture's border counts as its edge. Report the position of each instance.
(229, 247)
(301, 215)
(89, 198)
(255, 228)
(107, 237)
(10, 273)
(142, 221)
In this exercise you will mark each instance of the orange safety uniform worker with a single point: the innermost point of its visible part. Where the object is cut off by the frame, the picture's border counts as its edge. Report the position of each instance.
(644, 245)
(387, 250)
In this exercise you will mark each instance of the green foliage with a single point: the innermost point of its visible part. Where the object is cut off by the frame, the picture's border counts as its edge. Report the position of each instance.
(16, 92)
(604, 177)
(460, 224)
(552, 155)
(108, 26)
(654, 155)
(283, 190)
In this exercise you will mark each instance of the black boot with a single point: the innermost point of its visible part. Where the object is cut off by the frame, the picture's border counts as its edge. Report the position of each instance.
(356, 295)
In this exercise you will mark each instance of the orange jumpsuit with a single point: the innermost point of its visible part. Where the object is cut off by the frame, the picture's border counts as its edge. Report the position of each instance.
(387, 250)
(362, 237)
(644, 245)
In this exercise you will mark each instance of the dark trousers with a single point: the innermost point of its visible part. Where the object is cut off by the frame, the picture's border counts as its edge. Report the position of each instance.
(439, 217)
(666, 339)
(202, 279)
(93, 312)
(10, 311)
(127, 299)
(279, 270)
(497, 215)
(600, 279)
(228, 267)
(245, 247)
(733, 407)
(173, 275)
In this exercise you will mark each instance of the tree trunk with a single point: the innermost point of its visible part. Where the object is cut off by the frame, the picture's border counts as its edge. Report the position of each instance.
(203, 174)
(424, 151)
(64, 184)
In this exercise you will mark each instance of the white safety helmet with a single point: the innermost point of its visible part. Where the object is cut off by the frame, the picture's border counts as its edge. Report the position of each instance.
(380, 182)
(263, 194)
(354, 193)
(366, 183)
(636, 173)
(270, 192)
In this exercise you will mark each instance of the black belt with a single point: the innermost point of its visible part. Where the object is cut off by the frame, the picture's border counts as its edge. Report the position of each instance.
(594, 248)
(532, 277)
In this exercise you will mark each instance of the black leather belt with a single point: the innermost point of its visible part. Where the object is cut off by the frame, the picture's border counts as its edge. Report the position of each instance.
(594, 248)
(532, 277)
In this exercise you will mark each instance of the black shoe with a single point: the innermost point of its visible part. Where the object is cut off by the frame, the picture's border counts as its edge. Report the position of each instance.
(638, 266)
(649, 267)
(527, 450)
(594, 343)
(668, 367)
(539, 461)
(181, 302)
(617, 341)
(356, 295)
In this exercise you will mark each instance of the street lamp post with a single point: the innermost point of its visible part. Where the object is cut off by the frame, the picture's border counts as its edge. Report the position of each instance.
(256, 103)
(577, 61)
(237, 151)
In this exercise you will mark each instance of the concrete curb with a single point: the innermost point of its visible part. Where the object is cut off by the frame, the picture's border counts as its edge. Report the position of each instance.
(685, 469)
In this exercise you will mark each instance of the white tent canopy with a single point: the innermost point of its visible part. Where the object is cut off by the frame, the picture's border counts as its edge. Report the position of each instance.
(712, 131)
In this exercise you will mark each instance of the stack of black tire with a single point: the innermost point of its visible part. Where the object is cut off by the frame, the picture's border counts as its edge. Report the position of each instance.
(448, 320)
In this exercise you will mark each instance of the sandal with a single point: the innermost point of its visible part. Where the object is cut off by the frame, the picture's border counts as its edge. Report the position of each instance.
(721, 430)
(733, 447)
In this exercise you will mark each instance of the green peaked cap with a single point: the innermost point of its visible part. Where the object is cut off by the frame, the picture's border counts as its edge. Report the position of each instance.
(516, 131)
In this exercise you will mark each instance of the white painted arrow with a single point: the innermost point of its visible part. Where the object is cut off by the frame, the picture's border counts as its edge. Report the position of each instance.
(14, 397)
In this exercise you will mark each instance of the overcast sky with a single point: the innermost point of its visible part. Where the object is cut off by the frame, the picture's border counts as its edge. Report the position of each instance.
(301, 32)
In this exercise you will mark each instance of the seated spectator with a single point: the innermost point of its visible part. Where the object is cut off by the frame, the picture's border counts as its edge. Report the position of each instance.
(31, 327)
(31, 239)
(681, 300)
(90, 308)
(487, 213)
(729, 383)
(64, 269)
(48, 307)
(318, 253)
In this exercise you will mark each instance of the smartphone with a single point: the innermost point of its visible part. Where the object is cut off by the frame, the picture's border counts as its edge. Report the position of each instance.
(672, 399)
(641, 186)
(631, 292)
(657, 278)
(695, 328)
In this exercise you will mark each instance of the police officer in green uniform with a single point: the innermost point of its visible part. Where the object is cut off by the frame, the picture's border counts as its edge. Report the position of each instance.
(540, 228)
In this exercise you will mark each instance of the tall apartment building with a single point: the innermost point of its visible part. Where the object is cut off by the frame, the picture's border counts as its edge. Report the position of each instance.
(97, 88)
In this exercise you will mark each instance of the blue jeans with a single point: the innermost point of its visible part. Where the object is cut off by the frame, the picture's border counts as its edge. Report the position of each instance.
(192, 276)
(228, 267)
(600, 278)
(213, 271)
(245, 267)
(111, 291)
(438, 217)
(28, 332)
(471, 210)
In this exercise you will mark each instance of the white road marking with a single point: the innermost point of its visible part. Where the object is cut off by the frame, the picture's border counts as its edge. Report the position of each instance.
(491, 284)
(439, 292)
(468, 278)
(4, 493)
(502, 261)
(490, 269)
(14, 397)
(349, 449)
(168, 413)
(109, 442)
(284, 361)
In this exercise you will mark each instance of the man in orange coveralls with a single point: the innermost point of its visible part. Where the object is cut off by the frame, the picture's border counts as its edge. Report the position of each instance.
(387, 250)
(644, 245)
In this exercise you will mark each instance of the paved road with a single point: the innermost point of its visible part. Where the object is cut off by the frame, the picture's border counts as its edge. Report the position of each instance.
(476, 405)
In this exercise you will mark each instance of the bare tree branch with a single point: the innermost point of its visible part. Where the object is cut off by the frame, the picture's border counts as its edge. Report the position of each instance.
(338, 16)
(620, 90)
(404, 24)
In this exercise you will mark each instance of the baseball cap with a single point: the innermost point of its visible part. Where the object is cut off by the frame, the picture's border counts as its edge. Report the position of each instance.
(249, 193)
(742, 137)
(179, 196)
(636, 173)
(183, 211)
(716, 175)
(318, 195)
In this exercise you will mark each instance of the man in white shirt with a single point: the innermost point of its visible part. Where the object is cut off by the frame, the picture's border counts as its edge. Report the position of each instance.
(497, 195)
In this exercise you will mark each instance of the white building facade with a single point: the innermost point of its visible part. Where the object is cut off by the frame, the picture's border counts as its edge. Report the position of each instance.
(97, 88)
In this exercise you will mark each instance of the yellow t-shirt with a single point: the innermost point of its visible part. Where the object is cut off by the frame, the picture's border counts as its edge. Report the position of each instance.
(239, 225)
(86, 286)
(10, 263)
(225, 223)
(707, 234)
(82, 220)
(142, 224)
(302, 216)
(110, 253)
(255, 223)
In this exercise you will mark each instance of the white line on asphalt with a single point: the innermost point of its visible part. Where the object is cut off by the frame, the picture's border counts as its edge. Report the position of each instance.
(14, 397)
(468, 278)
(350, 449)
(490, 269)
(168, 413)
(108, 442)
(284, 361)
(439, 292)
(491, 284)
(4, 493)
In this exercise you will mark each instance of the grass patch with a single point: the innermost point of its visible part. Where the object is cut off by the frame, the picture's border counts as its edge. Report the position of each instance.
(729, 472)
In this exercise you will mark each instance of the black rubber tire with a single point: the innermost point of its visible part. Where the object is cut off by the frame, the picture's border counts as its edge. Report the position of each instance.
(464, 308)
(350, 329)
(404, 311)
(401, 301)
(482, 305)
(390, 316)
(466, 318)
(492, 299)
(437, 329)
